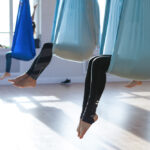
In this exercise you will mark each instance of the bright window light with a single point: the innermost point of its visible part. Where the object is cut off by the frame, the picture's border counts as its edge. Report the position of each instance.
(102, 4)
(8, 15)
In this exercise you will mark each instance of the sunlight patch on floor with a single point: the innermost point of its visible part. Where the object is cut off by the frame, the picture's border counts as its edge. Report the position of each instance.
(141, 93)
(136, 99)
(21, 99)
(124, 95)
(112, 135)
(22, 131)
(42, 98)
(24, 102)
(138, 102)
(1, 101)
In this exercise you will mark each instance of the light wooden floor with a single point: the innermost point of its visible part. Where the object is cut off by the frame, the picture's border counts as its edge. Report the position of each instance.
(46, 117)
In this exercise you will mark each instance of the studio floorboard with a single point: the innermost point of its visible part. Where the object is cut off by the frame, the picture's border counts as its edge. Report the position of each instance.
(46, 117)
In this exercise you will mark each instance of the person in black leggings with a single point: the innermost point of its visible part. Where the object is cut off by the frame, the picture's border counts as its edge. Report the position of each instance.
(94, 83)
(41, 62)
(29, 78)
(94, 86)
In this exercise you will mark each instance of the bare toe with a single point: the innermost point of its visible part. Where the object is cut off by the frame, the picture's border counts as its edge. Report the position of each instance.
(84, 126)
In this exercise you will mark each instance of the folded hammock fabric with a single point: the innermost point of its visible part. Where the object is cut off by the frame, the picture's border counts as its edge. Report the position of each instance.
(126, 37)
(76, 29)
(23, 46)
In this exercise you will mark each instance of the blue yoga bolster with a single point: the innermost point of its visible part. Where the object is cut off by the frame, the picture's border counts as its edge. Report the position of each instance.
(127, 38)
(76, 29)
(23, 46)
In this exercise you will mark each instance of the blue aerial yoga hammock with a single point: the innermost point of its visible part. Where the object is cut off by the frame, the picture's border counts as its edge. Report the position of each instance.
(126, 37)
(76, 29)
(23, 46)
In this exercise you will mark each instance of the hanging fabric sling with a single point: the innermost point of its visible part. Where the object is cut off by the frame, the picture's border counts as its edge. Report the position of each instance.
(127, 38)
(23, 46)
(76, 29)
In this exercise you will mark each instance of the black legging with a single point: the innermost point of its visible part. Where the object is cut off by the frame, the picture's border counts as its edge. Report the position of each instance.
(94, 82)
(94, 85)
(41, 61)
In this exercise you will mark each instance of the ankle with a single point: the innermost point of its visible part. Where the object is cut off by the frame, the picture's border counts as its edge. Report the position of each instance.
(90, 119)
(31, 79)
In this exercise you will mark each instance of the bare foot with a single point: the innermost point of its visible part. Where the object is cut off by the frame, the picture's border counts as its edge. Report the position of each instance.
(84, 126)
(19, 78)
(6, 74)
(23, 81)
(133, 84)
(26, 82)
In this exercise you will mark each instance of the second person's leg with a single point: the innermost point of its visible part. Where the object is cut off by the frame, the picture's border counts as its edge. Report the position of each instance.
(38, 66)
(41, 62)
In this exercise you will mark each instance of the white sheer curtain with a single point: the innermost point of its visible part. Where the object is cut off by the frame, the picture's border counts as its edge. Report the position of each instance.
(4, 22)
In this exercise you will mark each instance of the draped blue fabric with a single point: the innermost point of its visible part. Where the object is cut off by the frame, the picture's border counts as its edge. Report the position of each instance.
(127, 38)
(111, 24)
(23, 46)
(76, 29)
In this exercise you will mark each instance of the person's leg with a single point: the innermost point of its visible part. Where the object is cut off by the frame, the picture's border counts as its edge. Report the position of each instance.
(8, 61)
(8, 65)
(40, 63)
(97, 84)
(98, 71)
(87, 86)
